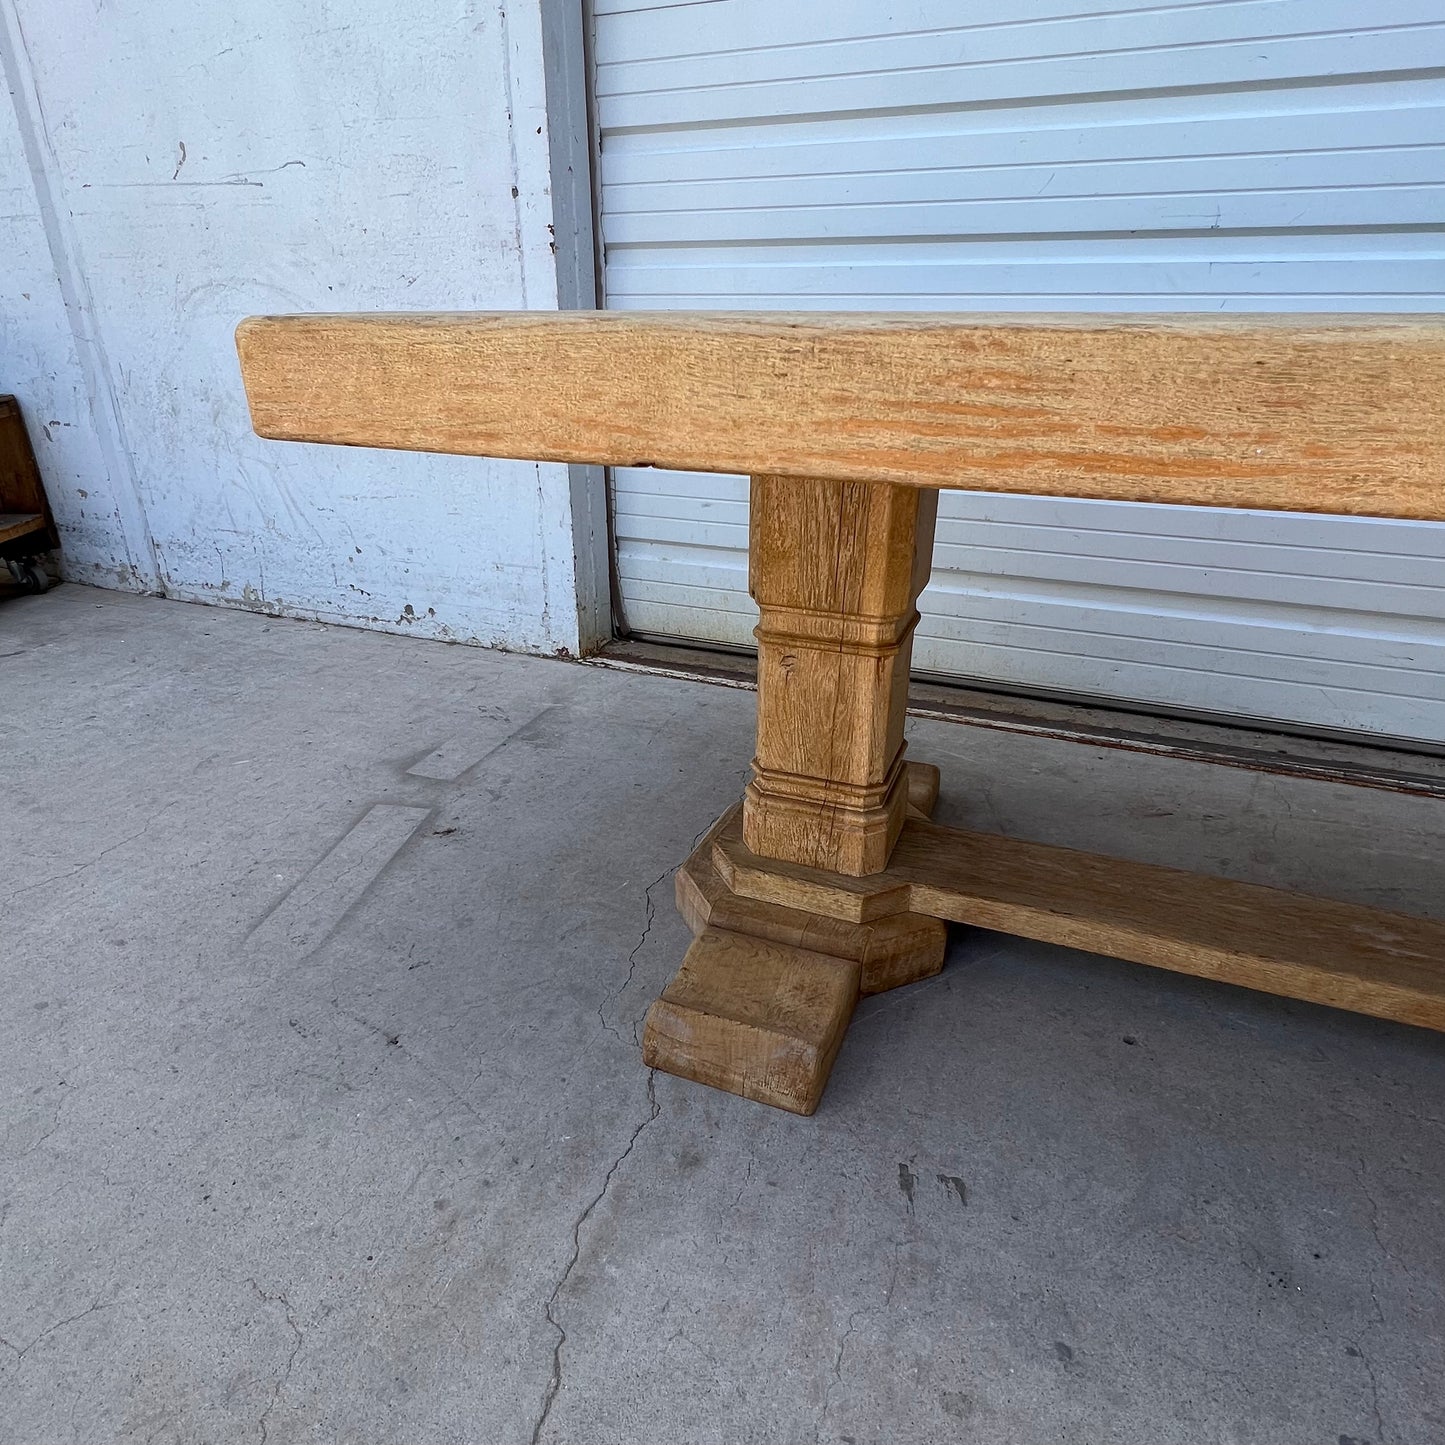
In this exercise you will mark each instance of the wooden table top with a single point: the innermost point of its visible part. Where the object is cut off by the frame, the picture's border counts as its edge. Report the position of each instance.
(1341, 414)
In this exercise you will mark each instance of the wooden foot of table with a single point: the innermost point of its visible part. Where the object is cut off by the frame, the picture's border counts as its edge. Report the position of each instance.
(765, 992)
(764, 1020)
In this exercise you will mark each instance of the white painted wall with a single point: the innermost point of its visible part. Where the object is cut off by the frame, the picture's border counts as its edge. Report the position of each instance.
(170, 166)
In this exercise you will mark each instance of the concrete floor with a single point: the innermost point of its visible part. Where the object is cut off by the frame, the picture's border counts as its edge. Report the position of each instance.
(323, 958)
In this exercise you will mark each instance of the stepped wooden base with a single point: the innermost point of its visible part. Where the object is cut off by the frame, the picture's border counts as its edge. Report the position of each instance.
(898, 949)
(765, 992)
(783, 952)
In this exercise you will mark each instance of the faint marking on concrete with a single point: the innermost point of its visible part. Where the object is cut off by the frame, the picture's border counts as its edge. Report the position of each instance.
(469, 747)
(308, 913)
(906, 1180)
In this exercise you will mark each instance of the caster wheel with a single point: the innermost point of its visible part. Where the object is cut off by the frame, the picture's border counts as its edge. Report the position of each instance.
(29, 574)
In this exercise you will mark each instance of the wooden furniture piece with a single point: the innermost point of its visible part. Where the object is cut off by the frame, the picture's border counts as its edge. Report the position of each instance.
(26, 526)
(828, 881)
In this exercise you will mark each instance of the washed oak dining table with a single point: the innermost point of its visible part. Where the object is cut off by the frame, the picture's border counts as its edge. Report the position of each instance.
(828, 880)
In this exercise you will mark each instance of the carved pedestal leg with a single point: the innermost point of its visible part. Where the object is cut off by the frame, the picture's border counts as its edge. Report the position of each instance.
(836, 569)
(765, 992)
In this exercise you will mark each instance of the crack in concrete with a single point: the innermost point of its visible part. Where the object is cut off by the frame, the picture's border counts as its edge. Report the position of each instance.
(743, 1186)
(278, 1298)
(395, 1041)
(22, 1350)
(554, 1383)
(881, 1003)
(53, 1129)
(91, 862)
(632, 957)
(637, 950)
(1378, 1317)
(837, 1369)
(847, 1335)
(1374, 1395)
(1360, 1175)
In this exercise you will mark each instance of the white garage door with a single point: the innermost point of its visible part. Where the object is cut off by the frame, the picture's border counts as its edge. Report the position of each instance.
(1234, 155)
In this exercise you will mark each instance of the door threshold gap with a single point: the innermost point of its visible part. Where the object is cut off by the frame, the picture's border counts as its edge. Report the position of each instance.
(1323, 759)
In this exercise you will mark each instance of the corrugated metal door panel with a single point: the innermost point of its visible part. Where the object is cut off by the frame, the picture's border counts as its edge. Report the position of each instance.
(1051, 154)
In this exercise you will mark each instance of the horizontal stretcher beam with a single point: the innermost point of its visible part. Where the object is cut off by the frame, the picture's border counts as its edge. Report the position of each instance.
(1295, 413)
(1341, 954)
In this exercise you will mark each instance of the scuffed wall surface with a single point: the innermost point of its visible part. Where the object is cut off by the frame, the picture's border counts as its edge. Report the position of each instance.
(205, 162)
(40, 361)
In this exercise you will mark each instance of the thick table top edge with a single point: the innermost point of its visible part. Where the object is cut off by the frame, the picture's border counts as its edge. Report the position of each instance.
(1291, 412)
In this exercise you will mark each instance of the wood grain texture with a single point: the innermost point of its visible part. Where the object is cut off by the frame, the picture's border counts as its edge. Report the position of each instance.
(924, 782)
(892, 951)
(757, 1018)
(14, 525)
(1300, 413)
(836, 569)
(1390, 965)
